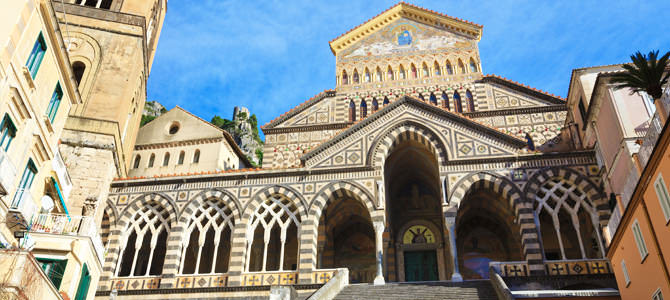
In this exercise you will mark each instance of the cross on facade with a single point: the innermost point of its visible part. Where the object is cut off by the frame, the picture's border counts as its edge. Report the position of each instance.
(557, 269)
(516, 271)
(598, 268)
(185, 282)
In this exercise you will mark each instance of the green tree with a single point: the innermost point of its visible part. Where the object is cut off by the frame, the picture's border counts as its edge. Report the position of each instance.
(646, 73)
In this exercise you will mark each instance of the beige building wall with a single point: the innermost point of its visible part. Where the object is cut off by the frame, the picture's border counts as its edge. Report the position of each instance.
(205, 147)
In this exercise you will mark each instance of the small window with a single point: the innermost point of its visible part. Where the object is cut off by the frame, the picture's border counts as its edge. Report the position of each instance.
(470, 101)
(457, 102)
(450, 70)
(54, 103)
(364, 109)
(152, 158)
(582, 112)
(7, 132)
(174, 128)
(639, 240)
(386, 101)
(345, 79)
(378, 75)
(367, 76)
(106, 4)
(26, 182)
(180, 161)
(54, 269)
(402, 73)
(413, 69)
(663, 196)
(352, 111)
(473, 66)
(78, 69)
(36, 55)
(166, 159)
(356, 77)
(658, 295)
(445, 101)
(375, 105)
(196, 156)
(389, 74)
(433, 99)
(426, 72)
(461, 67)
(436, 69)
(624, 270)
(137, 161)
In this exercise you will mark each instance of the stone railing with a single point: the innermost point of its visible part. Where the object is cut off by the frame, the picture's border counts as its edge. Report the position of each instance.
(333, 287)
(69, 225)
(554, 267)
(502, 291)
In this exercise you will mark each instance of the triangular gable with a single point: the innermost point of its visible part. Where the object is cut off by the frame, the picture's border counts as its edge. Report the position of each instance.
(511, 94)
(408, 11)
(463, 138)
(298, 114)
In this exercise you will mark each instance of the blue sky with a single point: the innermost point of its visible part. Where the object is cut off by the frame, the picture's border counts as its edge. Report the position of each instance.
(272, 55)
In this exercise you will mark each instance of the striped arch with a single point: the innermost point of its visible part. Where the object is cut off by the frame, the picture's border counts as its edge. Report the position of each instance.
(523, 210)
(406, 131)
(239, 243)
(109, 225)
(178, 241)
(593, 192)
(116, 235)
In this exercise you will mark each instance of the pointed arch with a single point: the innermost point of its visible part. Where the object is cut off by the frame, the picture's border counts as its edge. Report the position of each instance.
(421, 97)
(356, 77)
(375, 105)
(389, 73)
(136, 164)
(152, 158)
(449, 69)
(461, 67)
(413, 71)
(382, 146)
(425, 70)
(379, 77)
(470, 101)
(345, 78)
(457, 102)
(445, 101)
(352, 111)
(433, 99)
(367, 77)
(386, 101)
(436, 69)
(364, 109)
(473, 66)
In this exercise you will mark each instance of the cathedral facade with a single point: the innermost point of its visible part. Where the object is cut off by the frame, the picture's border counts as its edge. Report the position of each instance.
(415, 167)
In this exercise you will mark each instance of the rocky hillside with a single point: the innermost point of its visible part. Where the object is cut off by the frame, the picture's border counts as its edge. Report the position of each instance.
(152, 109)
(244, 129)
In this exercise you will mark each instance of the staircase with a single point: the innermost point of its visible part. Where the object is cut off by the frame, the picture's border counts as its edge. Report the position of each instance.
(479, 289)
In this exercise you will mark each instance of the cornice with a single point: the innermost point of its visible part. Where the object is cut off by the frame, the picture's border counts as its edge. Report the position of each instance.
(332, 126)
(296, 110)
(404, 10)
(516, 111)
(490, 78)
(179, 143)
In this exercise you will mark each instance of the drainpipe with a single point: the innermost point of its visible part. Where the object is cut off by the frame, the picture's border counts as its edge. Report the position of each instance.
(655, 240)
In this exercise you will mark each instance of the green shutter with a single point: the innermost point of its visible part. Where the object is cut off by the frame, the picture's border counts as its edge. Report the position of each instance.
(84, 284)
(54, 269)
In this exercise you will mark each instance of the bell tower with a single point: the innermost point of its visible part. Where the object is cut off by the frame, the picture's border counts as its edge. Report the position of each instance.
(111, 46)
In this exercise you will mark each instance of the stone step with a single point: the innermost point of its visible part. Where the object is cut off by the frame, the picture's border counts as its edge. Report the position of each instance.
(479, 289)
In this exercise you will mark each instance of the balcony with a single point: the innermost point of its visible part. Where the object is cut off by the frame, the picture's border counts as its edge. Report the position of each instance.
(27, 280)
(69, 225)
(7, 173)
(22, 209)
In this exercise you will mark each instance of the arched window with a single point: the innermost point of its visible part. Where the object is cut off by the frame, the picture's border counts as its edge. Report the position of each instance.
(375, 105)
(166, 159)
(144, 242)
(272, 236)
(180, 161)
(368, 78)
(568, 221)
(436, 69)
(461, 67)
(378, 75)
(457, 102)
(152, 158)
(450, 70)
(433, 99)
(445, 101)
(470, 101)
(196, 156)
(137, 161)
(364, 109)
(473, 66)
(352, 111)
(207, 239)
(386, 101)
(402, 73)
(421, 97)
(345, 79)
(356, 78)
(389, 74)
(414, 74)
(426, 72)
(78, 69)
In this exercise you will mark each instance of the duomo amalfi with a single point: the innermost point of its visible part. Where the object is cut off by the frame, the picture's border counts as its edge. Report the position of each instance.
(416, 176)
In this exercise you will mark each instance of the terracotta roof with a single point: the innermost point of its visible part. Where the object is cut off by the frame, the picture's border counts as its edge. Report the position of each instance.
(512, 83)
(226, 134)
(410, 5)
(334, 139)
(300, 107)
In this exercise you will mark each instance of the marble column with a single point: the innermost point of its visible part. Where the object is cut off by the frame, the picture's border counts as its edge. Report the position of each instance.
(451, 225)
(379, 245)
